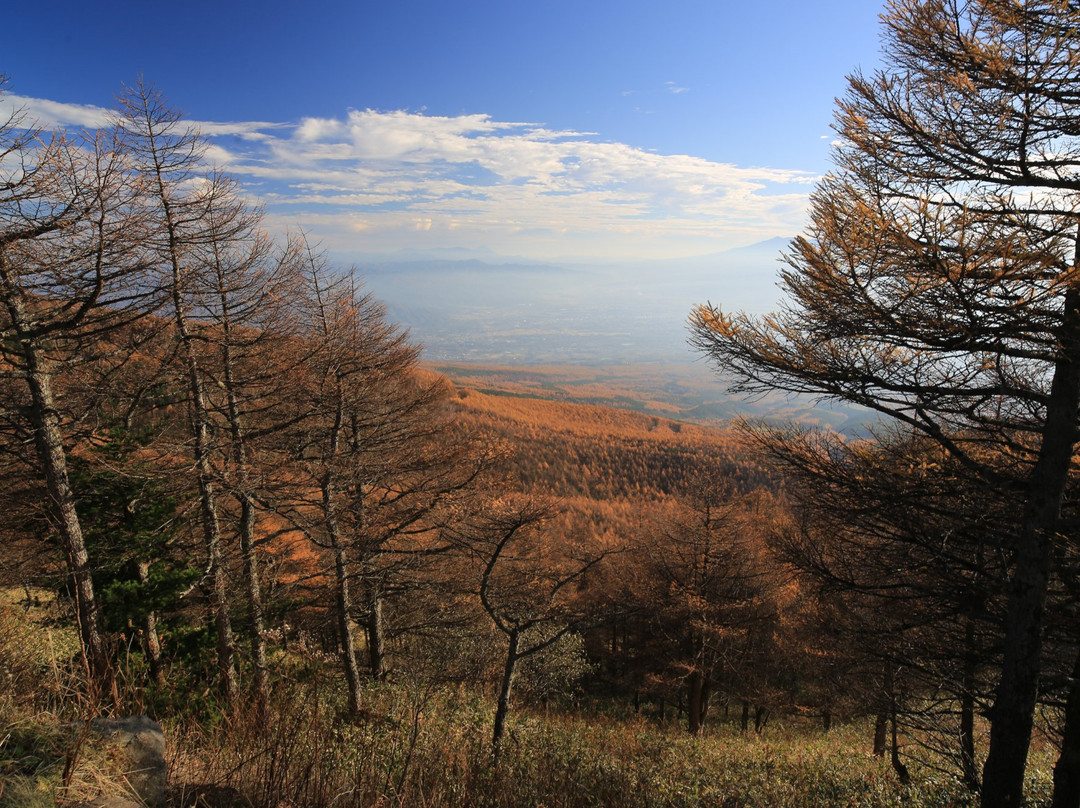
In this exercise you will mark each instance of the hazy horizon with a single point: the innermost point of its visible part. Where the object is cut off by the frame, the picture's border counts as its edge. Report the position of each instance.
(549, 313)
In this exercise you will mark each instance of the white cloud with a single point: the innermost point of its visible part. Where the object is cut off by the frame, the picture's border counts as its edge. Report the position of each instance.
(374, 181)
(40, 112)
(473, 181)
(247, 130)
(672, 87)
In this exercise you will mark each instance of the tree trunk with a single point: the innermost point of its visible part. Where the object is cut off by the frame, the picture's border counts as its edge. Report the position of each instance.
(50, 449)
(967, 713)
(208, 507)
(881, 730)
(897, 764)
(505, 690)
(1067, 768)
(612, 662)
(343, 597)
(376, 651)
(170, 162)
(253, 592)
(744, 720)
(345, 635)
(219, 594)
(151, 641)
(244, 494)
(219, 587)
(695, 701)
(1013, 712)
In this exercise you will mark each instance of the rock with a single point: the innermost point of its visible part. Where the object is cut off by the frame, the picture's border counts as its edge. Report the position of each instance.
(141, 743)
(109, 802)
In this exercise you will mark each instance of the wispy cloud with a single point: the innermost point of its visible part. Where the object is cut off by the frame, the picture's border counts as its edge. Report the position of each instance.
(672, 87)
(45, 114)
(379, 181)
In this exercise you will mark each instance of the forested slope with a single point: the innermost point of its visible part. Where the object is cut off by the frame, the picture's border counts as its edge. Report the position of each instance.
(606, 454)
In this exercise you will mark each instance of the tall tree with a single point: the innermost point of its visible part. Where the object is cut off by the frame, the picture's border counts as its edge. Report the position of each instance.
(910, 552)
(711, 594)
(937, 283)
(192, 209)
(247, 302)
(356, 351)
(71, 273)
(379, 463)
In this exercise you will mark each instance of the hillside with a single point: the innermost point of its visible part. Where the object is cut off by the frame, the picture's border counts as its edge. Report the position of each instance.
(686, 392)
(569, 449)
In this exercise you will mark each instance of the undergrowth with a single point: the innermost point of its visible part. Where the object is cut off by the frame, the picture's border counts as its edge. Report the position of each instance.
(422, 746)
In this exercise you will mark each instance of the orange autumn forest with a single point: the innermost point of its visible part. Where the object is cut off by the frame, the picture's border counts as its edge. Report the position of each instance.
(835, 563)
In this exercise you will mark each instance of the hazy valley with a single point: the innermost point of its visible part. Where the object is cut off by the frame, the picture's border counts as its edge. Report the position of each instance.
(520, 313)
(682, 391)
(606, 335)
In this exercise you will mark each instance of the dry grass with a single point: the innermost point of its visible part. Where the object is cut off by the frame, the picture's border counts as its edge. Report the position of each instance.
(426, 749)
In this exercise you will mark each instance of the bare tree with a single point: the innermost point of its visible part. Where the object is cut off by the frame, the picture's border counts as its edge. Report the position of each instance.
(376, 450)
(71, 272)
(530, 585)
(193, 209)
(246, 302)
(354, 343)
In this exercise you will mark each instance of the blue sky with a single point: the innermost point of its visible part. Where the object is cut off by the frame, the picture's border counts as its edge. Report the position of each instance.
(545, 130)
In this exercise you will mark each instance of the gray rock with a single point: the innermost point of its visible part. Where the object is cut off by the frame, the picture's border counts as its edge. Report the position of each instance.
(110, 802)
(142, 743)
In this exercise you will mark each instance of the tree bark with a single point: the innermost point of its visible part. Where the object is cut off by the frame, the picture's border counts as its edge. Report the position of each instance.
(695, 701)
(505, 690)
(342, 595)
(345, 635)
(968, 765)
(1067, 768)
(376, 640)
(253, 592)
(897, 764)
(1013, 712)
(881, 730)
(50, 450)
(151, 641)
(244, 491)
(169, 160)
